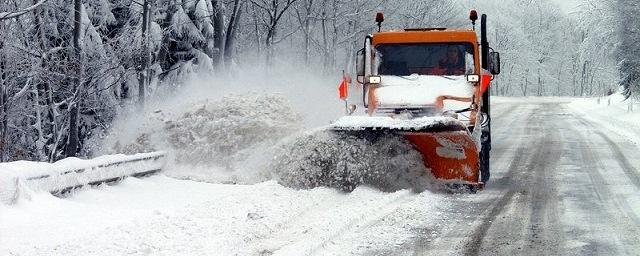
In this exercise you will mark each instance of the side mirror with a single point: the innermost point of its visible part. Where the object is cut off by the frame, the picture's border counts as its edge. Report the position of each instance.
(494, 63)
(360, 66)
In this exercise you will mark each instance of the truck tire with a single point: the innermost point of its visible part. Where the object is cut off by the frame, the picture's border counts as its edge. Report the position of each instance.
(485, 158)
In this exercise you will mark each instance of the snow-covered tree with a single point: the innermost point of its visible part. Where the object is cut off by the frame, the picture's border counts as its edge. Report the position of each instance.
(628, 51)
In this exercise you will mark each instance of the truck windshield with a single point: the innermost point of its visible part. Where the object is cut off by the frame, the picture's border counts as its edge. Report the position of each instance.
(444, 59)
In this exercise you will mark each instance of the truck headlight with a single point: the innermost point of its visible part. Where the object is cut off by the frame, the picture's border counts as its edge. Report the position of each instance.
(374, 80)
(473, 78)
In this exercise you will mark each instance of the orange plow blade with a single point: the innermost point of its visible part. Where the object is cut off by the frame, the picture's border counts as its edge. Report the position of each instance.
(452, 156)
(448, 150)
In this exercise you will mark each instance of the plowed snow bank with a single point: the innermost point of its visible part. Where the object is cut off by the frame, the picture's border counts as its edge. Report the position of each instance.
(214, 141)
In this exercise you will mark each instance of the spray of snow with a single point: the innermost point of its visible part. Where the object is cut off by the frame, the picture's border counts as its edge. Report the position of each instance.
(340, 160)
(213, 140)
(244, 131)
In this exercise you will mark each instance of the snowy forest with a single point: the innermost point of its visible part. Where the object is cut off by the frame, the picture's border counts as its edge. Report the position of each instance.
(68, 68)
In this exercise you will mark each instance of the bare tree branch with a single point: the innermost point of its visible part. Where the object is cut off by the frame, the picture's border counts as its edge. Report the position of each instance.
(15, 14)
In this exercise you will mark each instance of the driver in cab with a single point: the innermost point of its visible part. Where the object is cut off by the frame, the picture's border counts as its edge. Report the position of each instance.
(451, 64)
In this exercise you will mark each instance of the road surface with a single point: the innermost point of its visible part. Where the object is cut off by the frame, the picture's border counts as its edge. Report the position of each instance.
(560, 185)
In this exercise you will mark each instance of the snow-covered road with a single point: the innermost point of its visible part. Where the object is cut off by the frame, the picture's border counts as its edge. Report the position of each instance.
(561, 185)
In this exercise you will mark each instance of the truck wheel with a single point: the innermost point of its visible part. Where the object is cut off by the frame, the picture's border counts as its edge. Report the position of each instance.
(485, 172)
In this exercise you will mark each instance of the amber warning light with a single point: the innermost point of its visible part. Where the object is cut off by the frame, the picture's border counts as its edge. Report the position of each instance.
(379, 20)
(473, 16)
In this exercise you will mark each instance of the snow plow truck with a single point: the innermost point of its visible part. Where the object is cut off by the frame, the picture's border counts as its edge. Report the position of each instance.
(431, 86)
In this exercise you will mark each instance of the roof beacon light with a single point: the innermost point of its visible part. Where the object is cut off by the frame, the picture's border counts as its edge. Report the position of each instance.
(379, 20)
(473, 16)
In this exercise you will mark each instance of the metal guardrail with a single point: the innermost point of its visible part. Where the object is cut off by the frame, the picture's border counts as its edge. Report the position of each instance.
(62, 181)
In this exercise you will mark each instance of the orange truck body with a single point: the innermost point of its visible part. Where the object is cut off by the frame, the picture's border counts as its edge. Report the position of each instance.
(403, 79)
(462, 167)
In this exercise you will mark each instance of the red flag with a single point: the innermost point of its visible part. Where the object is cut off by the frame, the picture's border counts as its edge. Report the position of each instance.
(343, 89)
(485, 81)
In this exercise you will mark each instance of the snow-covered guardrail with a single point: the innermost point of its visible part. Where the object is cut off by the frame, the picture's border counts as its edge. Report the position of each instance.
(70, 173)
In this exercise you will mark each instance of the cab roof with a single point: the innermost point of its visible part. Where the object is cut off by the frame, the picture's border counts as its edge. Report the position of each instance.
(426, 35)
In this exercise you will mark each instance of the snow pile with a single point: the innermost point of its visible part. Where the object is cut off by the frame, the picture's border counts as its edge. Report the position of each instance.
(613, 112)
(250, 138)
(223, 140)
(214, 132)
(343, 161)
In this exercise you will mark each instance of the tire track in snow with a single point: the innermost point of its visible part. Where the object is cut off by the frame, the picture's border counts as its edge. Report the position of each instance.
(503, 132)
(518, 180)
(624, 164)
(629, 170)
(612, 219)
(473, 246)
(309, 232)
(364, 221)
(469, 212)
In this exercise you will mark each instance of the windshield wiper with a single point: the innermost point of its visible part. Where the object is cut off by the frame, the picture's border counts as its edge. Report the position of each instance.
(411, 77)
(447, 77)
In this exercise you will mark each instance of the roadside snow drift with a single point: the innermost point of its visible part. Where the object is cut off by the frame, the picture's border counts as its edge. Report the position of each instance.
(16, 178)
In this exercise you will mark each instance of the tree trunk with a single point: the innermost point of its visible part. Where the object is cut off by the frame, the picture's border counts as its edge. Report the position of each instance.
(218, 31)
(325, 50)
(583, 78)
(305, 22)
(55, 133)
(231, 31)
(573, 77)
(256, 29)
(539, 84)
(73, 140)
(144, 67)
(526, 84)
(40, 141)
(3, 103)
(269, 44)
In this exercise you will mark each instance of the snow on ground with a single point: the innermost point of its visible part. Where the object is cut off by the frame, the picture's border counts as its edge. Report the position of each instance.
(253, 138)
(612, 112)
(71, 172)
(161, 215)
(164, 216)
(198, 206)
